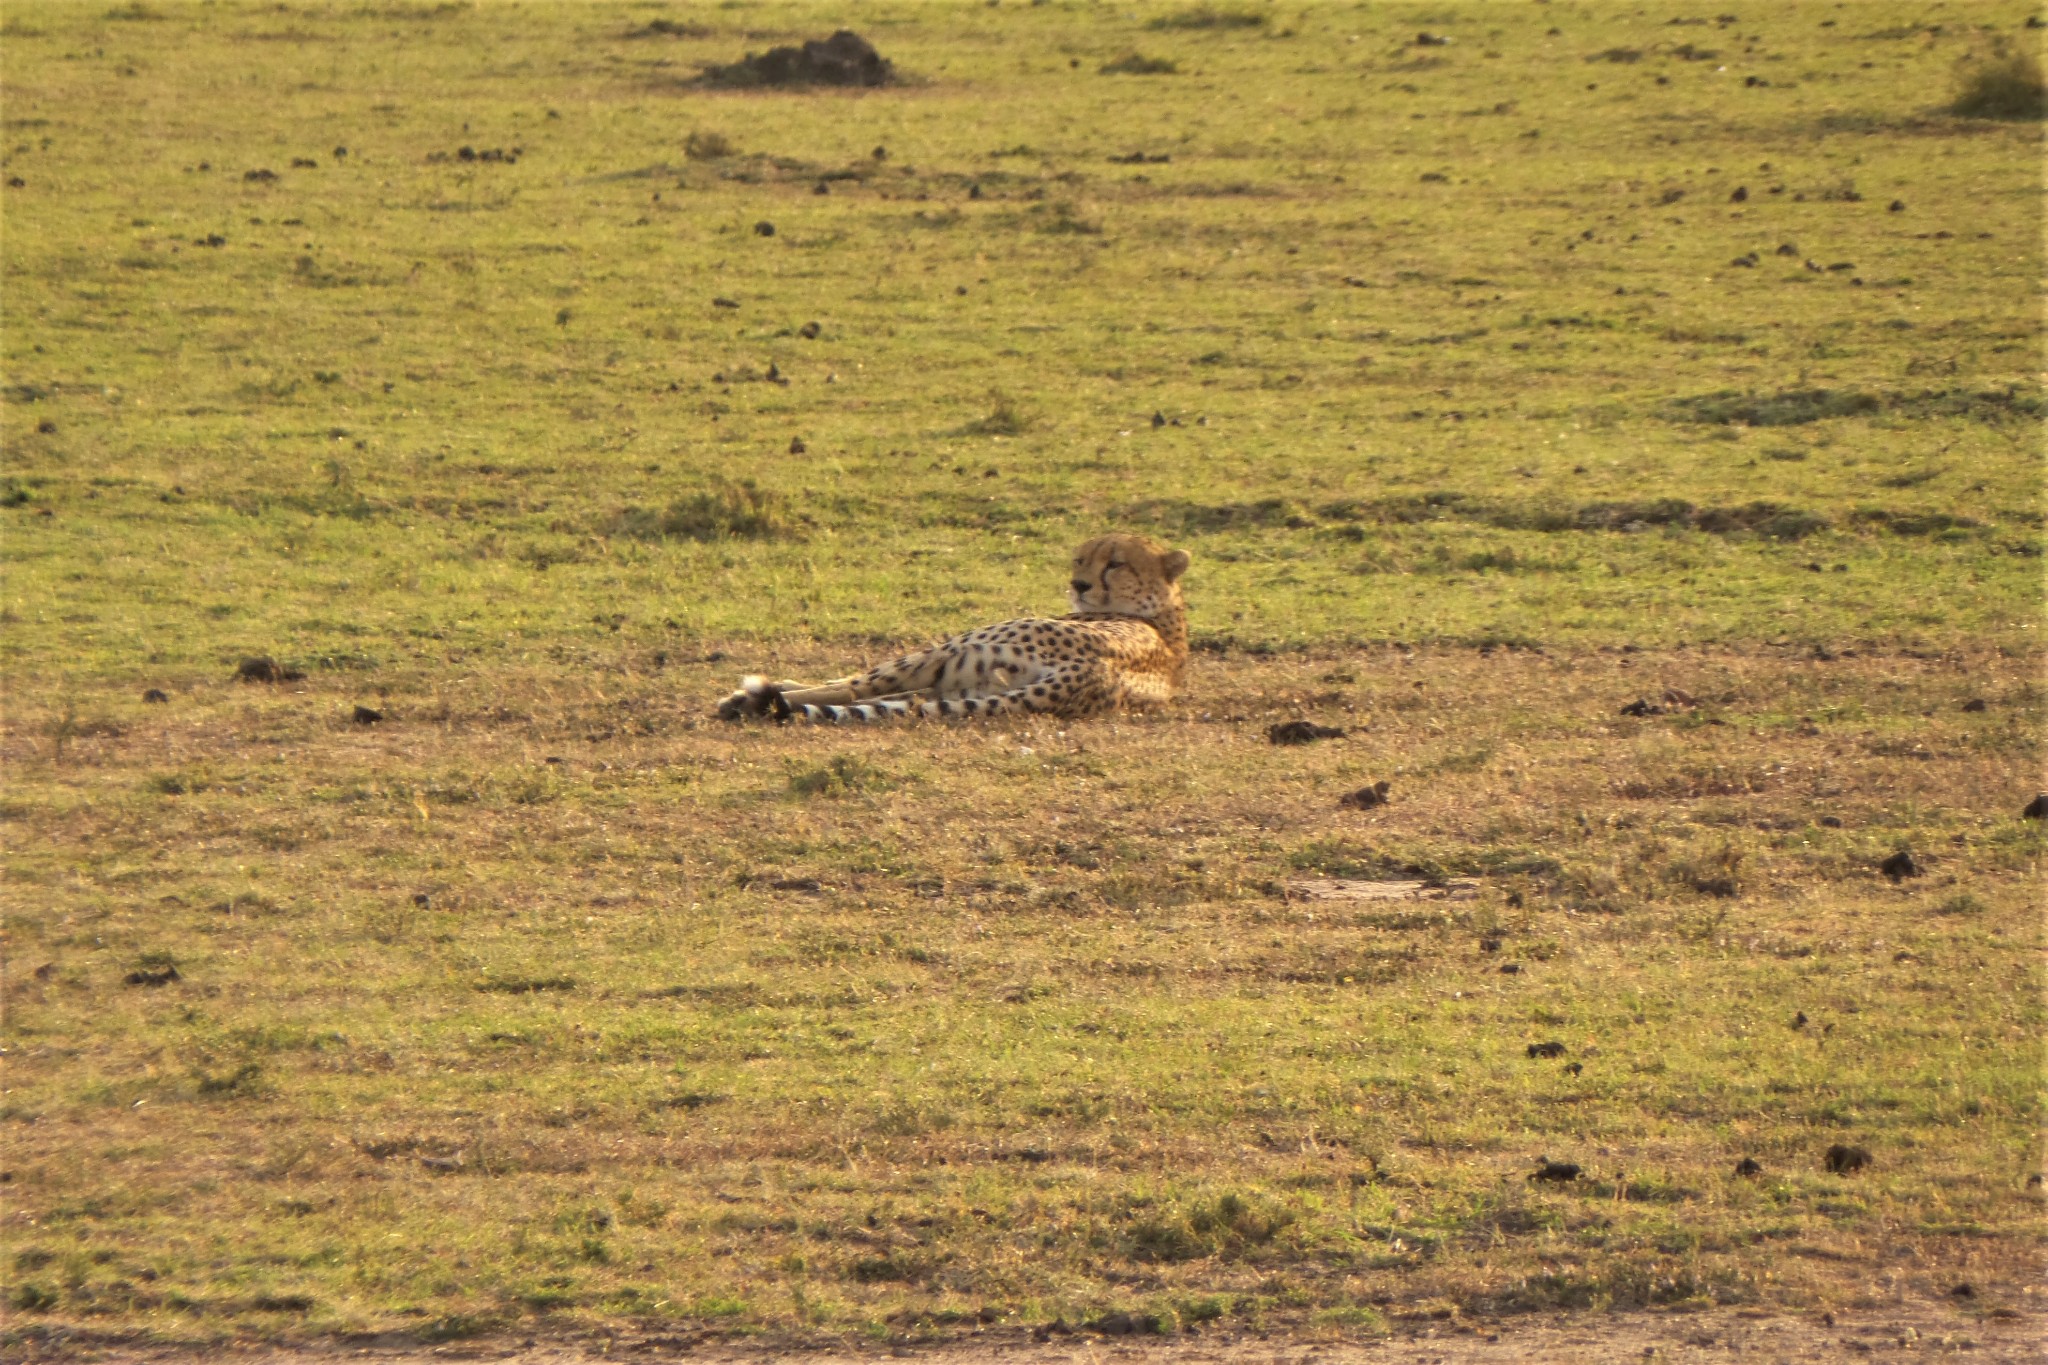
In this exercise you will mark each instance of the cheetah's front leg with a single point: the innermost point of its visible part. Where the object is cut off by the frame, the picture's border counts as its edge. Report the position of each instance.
(757, 696)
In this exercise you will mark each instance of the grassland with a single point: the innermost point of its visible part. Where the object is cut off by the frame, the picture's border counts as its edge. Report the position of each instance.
(1492, 384)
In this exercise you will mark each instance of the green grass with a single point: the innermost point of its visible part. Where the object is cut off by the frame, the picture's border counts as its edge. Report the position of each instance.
(1491, 384)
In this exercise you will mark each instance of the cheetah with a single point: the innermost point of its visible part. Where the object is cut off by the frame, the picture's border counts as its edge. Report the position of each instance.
(1125, 644)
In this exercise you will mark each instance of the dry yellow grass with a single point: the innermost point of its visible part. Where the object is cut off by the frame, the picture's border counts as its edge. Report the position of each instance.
(547, 994)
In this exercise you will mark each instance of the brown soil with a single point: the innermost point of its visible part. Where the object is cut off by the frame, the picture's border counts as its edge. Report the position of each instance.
(1905, 1330)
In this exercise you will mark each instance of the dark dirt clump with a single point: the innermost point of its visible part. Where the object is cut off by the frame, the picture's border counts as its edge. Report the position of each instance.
(844, 59)
(1845, 1160)
(264, 669)
(1302, 732)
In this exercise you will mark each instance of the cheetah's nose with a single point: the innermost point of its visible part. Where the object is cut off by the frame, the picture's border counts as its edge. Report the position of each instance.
(1081, 586)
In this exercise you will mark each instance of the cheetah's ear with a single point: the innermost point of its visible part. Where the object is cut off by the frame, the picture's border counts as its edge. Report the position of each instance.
(1174, 563)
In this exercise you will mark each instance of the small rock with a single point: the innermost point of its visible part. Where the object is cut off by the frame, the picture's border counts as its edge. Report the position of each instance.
(1899, 866)
(1366, 797)
(1301, 732)
(366, 715)
(155, 696)
(1552, 1048)
(1749, 1166)
(1843, 1159)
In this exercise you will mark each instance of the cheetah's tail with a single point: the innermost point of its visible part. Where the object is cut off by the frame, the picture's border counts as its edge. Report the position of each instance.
(868, 712)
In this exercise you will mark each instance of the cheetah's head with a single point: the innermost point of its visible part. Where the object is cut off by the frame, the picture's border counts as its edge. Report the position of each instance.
(1127, 575)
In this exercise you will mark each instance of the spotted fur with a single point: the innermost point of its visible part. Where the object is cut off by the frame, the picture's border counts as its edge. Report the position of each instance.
(1126, 644)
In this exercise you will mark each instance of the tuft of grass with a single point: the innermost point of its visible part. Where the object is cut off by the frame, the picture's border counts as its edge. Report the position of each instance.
(1005, 417)
(2003, 83)
(840, 775)
(1770, 520)
(708, 144)
(1207, 17)
(526, 985)
(1228, 1227)
(1137, 64)
(1791, 407)
(731, 511)
(244, 1080)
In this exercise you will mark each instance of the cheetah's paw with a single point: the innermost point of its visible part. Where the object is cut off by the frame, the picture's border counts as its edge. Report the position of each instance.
(756, 697)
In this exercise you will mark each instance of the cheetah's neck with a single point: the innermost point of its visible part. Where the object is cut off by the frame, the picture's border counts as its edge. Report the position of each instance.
(1171, 622)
